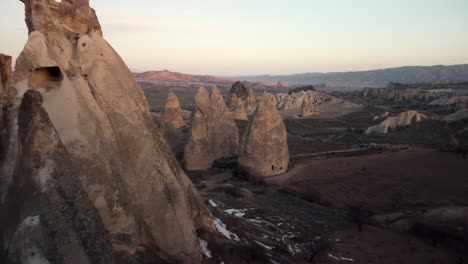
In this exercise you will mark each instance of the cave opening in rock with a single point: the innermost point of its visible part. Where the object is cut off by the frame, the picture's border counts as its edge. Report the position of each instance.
(46, 77)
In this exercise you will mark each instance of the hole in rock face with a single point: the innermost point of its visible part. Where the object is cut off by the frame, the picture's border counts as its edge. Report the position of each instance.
(46, 77)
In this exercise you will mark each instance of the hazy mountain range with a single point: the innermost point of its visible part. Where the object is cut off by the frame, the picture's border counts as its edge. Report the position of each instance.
(373, 78)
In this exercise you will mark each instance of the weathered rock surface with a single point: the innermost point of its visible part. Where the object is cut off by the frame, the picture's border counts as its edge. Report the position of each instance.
(250, 102)
(302, 89)
(238, 111)
(456, 102)
(402, 120)
(213, 133)
(100, 136)
(172, 112)
(5, 75)
(296, 100)
(307, 108)
(239, 90)
(46, 214)
(264, 148)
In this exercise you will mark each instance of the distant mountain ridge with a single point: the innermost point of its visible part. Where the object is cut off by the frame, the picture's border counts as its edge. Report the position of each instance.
(168, 76)
(372, 78)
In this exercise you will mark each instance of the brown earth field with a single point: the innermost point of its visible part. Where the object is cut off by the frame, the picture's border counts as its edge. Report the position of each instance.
(321, 210)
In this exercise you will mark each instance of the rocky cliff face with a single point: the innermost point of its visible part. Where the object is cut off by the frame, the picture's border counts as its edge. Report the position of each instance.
(93, 126)
(264, 148)
(295, 100)
(213, 133)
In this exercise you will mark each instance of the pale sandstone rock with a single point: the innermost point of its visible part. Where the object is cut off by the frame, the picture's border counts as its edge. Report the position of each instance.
(172, 111)
(239, 112)
(213, 133)
(99, 113)
(296, 100)
(404, 119)
(250, 102)
(307, 108)
(264, 148)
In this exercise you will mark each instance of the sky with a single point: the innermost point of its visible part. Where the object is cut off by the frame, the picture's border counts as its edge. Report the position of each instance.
(250, 37)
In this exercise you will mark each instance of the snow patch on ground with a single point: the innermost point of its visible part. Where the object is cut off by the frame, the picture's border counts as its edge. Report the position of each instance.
(204, 248)
(221, 227)
(340, 258)
(212, 203)
(236, 212)
(263, 245)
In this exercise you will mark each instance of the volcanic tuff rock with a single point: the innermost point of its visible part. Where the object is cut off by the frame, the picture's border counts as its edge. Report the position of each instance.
(213, 134)
(307, 107)
(91, 149)
(295, 100)
(264, 147)
(239, 90)
(402, 120)
(238, 112)
(172, 111)
(250, 102)
(5, 75)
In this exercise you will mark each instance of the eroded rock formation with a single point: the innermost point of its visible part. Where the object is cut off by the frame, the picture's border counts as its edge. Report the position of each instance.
(213, 134)
(250, 102)
(264, 148)
(84, 155)
(238, 111)
(402, 120)
(296, 100)
(172, 111)
(307, 108)
(239, 90)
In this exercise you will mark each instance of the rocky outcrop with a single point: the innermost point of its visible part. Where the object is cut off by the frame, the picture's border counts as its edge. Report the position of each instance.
(456, 102)
(238, 111)
(404, 119)
(172, 111)
(91, 150)
(264, 148)
(302, 89)
(239, 90)
(307, 108)
(213, 133)
(296, 100)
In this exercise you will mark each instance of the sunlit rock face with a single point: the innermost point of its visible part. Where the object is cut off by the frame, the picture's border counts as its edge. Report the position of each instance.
(239, 112)
(264, 147)
(307, 108)
(213, 134)
(172, 113)
(404, 119)
(100, 132)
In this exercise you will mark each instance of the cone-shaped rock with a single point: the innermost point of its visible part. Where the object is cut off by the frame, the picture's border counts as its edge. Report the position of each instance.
(99, 118)
(250, 102)
(238, 111)
(264, 147)
(239, 90)
(213, 134)
(232, 101)
(307, 108)
(172, 113)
